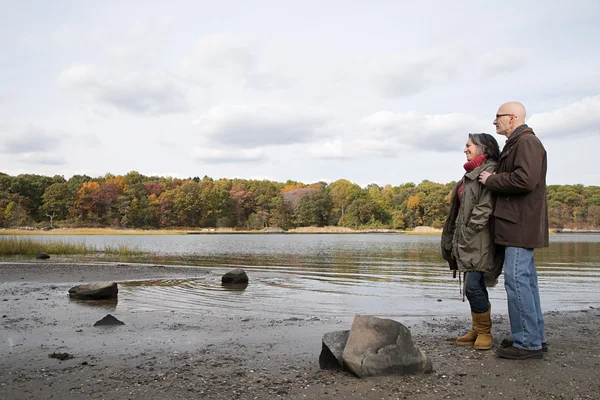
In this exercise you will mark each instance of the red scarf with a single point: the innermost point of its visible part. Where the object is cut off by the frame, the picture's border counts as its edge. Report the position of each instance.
(470, 166)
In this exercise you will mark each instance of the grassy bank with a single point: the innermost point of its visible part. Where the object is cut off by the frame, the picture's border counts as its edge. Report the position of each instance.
(199, 231)
(16, 246)
(91, 231)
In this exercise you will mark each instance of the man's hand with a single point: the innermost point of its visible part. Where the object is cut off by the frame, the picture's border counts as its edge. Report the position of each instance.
(483, 177)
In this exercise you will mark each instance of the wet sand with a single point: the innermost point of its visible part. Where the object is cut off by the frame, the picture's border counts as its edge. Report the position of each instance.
(222, 354)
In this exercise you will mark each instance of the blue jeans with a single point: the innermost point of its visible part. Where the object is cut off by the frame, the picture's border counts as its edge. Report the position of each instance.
(523, 295)
(476, 292)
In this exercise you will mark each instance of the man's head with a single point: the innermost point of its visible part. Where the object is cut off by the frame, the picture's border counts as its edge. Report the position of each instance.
(509, 117)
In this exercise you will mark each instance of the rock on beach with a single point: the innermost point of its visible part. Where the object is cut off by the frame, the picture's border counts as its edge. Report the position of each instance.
(235, 276)
(379, 347)
(95, 291)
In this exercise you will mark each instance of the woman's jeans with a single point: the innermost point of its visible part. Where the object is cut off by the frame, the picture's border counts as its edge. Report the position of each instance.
(522, 293)
(476, 292)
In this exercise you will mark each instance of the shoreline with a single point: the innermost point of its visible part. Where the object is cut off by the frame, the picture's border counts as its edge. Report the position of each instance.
(423, 231)
(224, 355)
(211, 231)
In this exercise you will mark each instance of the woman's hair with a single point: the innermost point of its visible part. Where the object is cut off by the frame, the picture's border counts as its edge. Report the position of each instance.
(486, 144)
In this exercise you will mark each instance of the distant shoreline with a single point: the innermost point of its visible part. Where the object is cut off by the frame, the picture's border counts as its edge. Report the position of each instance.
(420, 231)
(215, 231)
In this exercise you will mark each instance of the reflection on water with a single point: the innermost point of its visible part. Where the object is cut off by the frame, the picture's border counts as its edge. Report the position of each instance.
(338, 275)
(107, 304)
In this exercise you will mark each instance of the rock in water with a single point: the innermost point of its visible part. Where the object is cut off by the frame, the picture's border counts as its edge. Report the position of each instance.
(236, 276)
(95, 291)
(332, 350)
(109, 320)
(378, 347)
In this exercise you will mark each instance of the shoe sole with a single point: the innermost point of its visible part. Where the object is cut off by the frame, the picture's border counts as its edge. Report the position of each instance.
(544, 348)
(524, 357)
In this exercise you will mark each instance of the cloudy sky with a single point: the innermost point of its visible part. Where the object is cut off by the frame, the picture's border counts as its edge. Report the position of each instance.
(370, 91)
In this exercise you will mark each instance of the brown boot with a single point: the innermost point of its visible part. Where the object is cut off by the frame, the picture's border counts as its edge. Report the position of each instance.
(469, 338)
(482, 324)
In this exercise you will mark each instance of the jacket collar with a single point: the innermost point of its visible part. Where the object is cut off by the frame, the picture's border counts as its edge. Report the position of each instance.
(514, 138)
(475, 173)
(519, 129)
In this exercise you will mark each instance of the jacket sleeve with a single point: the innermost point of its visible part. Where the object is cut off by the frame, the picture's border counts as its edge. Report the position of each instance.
(482, 210)
(448, 231)
(526, 171)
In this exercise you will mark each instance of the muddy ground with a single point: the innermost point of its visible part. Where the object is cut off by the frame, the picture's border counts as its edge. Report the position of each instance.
(226, 355)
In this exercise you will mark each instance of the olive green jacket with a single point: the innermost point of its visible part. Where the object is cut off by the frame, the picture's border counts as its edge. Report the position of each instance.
(467, 237)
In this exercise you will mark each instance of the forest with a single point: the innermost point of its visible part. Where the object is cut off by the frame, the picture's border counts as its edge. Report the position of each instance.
(150, 202)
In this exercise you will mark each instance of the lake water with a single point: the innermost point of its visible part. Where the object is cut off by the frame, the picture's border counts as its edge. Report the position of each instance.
(333, 275)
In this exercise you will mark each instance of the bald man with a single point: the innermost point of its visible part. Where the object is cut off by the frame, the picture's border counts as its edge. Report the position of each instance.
(521, 225)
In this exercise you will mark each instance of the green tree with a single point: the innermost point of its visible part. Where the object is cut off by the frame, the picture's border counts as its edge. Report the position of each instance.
(58, 200)
(32, 187)
(188, 204)
(342, 193)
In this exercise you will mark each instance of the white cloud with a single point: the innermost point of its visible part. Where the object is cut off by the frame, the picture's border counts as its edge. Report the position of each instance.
(224, 51)
(225, 156)
(391, 131)
(40, 158)
(576, 119)
(502, 61)
(16, 139)
(250, 127)
(415, 71)
(138, 92)
(225, 56)
(335, 149)
(30, 145)
(391, 134)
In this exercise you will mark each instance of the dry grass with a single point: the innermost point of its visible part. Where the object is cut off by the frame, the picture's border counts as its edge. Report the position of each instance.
(92, 231)
(413, 233)
(323, 229)
(16, 246)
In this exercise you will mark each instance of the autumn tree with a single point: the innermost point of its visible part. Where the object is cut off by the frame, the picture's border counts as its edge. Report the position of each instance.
(187, 204)
(242, 204)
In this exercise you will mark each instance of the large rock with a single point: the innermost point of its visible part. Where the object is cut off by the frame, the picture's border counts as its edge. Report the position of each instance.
(378, 347)
(332, 349)
(237, 276)
(95, 291)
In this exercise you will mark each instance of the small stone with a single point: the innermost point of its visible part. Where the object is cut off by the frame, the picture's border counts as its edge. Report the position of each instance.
(109, 320)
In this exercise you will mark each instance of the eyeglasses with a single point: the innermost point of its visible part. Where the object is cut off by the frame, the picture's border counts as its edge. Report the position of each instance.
(498, 116)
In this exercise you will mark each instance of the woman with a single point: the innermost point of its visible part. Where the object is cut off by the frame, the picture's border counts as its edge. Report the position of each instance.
(467, 240)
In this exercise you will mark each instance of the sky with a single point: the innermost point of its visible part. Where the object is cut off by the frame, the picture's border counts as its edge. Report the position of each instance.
(381, 92)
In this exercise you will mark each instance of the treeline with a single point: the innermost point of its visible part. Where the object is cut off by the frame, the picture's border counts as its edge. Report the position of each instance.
(138, 201)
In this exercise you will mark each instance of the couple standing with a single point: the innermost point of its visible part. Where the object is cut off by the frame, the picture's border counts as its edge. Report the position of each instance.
(498, 215)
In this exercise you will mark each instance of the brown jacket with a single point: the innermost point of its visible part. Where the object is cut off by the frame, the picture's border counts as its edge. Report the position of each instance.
(521, 211)
(467, 240)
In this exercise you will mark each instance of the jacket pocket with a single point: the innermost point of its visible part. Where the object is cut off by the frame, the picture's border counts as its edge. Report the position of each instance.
(469, 248)
(504, 210)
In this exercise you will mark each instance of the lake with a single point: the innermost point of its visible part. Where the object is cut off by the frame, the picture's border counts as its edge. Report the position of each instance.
(333, 275)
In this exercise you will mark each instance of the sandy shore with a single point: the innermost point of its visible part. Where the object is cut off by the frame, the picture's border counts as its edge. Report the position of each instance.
(224, 355)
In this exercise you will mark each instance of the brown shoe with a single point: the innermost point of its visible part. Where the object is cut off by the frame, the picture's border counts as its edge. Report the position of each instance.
(468, 339)
(482, 324)
(513, 353)
(509, 342)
